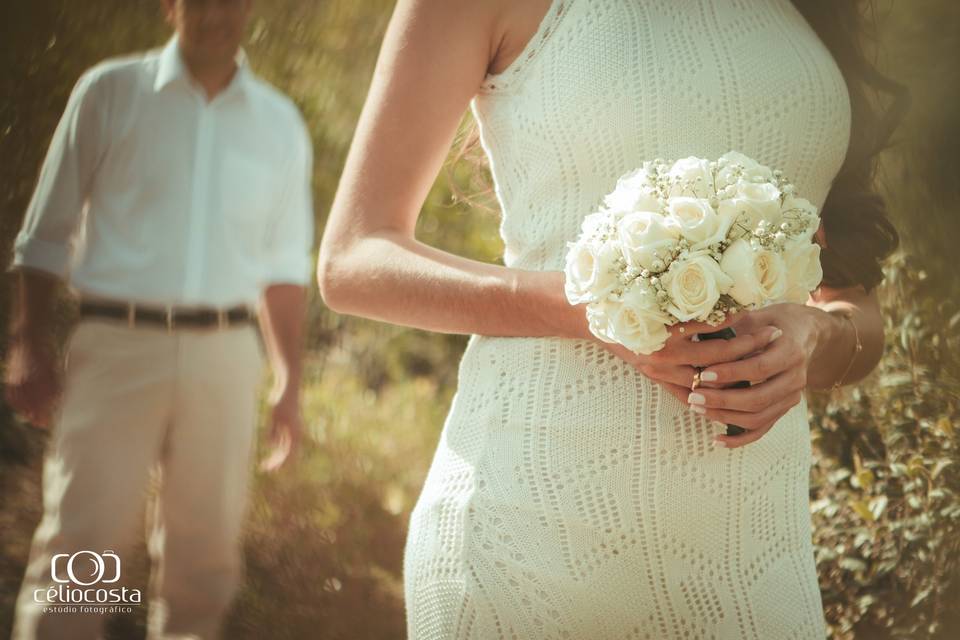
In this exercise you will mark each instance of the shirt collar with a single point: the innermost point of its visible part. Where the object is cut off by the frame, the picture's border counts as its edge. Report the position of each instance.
(171, 68)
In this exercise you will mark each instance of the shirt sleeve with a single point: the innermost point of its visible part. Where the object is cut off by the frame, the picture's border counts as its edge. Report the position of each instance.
(45, 240)
(290, 237)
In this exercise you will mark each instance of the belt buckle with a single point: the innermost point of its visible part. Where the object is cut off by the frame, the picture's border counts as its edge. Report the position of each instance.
(169, 309)
(221, 318)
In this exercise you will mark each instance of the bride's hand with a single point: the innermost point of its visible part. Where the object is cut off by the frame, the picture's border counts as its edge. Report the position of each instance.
(673, 366)
(778, 372)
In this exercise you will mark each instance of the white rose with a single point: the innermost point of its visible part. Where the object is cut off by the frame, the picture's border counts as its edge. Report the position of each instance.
(640, 177)
(591, 271)
(729, 212)
(804, 271)
(698, 221)
(802, 209)
(694, 170)
(755, 202)
(752, 170)
(598, 319)
(759, 276)
(633, 196)
(695, 284)
(597, 223)
(643, 235)
(638, 323)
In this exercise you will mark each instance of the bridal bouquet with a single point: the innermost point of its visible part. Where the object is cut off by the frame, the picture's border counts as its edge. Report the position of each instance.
(691, 240)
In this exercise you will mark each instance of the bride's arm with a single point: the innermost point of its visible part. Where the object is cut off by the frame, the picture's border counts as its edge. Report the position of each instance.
(433, 58)
(835, 349)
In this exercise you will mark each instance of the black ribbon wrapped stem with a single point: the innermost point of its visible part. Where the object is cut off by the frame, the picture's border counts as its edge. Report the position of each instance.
(725, 334)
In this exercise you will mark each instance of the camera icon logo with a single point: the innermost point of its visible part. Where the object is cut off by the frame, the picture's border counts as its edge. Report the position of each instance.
(101, 565)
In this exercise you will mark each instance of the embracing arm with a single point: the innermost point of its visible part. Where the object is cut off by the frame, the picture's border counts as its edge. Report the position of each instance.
(434, 56)
(836, 344)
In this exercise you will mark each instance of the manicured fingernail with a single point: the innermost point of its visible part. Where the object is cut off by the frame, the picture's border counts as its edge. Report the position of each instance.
(720, 443)
(708, 376)
(698, 409)
(776, 334)
(696, 398)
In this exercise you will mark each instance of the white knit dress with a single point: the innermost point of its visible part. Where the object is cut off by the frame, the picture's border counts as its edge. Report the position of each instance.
(569, 496)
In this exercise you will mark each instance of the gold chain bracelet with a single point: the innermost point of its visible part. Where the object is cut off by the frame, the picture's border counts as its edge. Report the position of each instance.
(846, 313)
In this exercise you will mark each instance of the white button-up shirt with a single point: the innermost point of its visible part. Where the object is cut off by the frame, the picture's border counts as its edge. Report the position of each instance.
(151, 194)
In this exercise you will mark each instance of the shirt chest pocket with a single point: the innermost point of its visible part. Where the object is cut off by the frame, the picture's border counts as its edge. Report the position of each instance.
(247, 191)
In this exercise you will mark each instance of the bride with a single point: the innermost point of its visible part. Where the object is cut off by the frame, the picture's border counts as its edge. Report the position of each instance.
(577, 490)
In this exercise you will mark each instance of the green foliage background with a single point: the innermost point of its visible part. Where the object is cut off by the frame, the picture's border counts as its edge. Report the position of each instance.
(324, 540)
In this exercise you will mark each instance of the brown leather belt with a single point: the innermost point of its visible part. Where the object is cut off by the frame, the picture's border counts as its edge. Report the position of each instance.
(169, 317)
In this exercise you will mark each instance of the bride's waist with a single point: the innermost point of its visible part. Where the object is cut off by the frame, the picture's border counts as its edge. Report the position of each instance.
(547, 361)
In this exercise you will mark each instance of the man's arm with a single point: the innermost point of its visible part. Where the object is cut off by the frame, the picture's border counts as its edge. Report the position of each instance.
(281, 316)
(281, 312)
(289, 242)
(32, 297)
(66, 177)
(283, 303)
(43, 247)
(31, 379)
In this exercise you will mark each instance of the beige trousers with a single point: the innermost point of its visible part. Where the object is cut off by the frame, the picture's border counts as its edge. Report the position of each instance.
(142, 404)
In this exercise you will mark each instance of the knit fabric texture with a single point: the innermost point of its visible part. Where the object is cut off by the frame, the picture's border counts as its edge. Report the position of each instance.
(569, 495)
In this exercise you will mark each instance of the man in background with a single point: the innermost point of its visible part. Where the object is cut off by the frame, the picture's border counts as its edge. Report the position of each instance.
(175, 201)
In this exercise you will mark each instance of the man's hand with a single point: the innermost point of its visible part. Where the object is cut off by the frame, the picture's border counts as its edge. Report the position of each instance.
(286, 431)
(32, 381)
(281, 321)
(32, 373)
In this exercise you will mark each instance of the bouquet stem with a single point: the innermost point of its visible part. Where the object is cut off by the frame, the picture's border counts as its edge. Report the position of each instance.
(725, 334)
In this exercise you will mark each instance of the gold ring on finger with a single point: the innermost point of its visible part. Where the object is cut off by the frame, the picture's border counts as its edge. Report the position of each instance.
(696, 379)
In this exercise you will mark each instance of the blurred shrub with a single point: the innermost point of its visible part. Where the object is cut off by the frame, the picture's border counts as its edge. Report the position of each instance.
(885, 488)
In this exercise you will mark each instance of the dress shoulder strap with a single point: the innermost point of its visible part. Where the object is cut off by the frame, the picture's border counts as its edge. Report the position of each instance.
(511, 76)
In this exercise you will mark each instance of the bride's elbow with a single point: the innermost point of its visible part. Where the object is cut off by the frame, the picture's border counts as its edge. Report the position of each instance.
(333, 282)
(348, 267)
